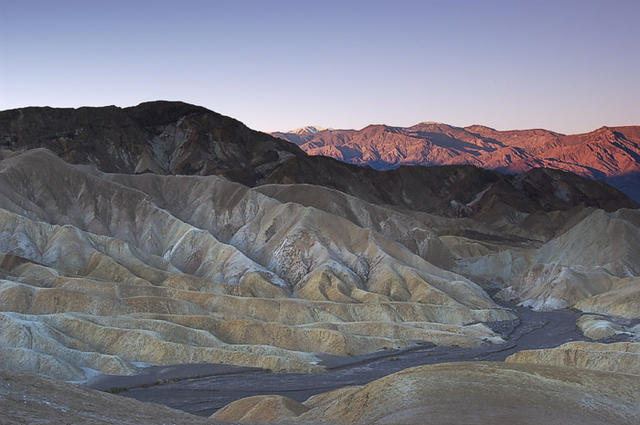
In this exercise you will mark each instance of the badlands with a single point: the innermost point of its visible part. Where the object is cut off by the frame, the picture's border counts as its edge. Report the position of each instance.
(168, 236)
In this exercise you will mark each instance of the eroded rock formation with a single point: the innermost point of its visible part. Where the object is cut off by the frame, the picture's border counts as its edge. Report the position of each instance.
(470, 393)
(166, 233)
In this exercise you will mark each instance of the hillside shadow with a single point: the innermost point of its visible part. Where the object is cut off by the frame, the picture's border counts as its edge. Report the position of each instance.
(628, 183)
(445, 141)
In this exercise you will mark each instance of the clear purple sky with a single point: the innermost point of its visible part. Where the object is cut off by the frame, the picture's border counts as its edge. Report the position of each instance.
(569, 66)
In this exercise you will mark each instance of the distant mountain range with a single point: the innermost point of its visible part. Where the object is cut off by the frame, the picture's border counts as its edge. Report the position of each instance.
(611, 154)
(175, 138)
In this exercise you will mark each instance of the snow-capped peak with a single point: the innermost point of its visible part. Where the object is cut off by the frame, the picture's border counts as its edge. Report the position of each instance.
(308, 129)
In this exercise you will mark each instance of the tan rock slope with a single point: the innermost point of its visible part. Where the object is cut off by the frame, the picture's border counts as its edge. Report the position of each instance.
(473, 393)
(454, 393)
(103, 271)
(622, 300)
(593, 266)
(598, 327)
(583, 257)
(621, 357)
(29, 399)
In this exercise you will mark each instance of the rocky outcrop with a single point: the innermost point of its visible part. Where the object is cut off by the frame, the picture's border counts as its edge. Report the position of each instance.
(592, 266)
(622, 300)
(265, 408)
(622, 357)
(470, 393)
(601, 327)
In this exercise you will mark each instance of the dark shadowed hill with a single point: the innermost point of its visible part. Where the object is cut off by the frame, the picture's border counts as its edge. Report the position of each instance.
(159, 137)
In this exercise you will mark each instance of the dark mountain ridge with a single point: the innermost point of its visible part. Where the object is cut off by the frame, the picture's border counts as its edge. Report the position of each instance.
(177, 138)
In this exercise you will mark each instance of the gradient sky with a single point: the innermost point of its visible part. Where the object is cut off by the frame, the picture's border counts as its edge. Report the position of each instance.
(569, 66)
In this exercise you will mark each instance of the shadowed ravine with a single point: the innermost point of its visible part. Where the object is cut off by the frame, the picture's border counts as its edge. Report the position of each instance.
(202, 389)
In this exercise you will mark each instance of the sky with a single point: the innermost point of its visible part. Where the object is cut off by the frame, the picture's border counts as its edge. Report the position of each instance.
(568, 66)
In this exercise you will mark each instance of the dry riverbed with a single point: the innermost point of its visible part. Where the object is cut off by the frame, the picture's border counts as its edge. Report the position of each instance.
(202, 389)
